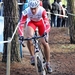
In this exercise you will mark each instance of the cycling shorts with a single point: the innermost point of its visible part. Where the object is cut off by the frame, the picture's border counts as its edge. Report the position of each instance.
(41, 26)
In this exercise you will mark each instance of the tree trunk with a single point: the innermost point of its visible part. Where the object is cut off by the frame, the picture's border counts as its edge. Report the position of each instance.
(11, 17)
(71, 20)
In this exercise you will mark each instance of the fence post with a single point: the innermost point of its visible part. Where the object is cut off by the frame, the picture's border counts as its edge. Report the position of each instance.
(8, 58)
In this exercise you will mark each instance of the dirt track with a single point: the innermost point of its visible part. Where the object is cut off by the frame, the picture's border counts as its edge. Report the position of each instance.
(62, 56)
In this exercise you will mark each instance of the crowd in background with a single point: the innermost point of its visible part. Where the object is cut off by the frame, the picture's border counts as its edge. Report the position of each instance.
(54, 10)
(57, 10)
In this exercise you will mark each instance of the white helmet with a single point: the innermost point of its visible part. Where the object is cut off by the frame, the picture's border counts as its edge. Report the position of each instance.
(34, 3)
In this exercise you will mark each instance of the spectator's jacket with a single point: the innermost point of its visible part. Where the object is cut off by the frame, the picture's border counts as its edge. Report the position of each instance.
(55, 8)
(46, 5)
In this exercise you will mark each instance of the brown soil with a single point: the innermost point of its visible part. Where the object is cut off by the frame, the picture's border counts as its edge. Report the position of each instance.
(62, 56)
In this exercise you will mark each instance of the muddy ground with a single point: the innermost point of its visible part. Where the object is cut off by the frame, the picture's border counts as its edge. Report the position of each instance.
(62, 56)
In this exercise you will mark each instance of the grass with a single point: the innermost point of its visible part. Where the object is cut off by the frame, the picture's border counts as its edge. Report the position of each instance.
(63, 48)
(70, 47)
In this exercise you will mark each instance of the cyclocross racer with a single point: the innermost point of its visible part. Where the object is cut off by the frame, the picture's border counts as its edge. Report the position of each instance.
(32, 17)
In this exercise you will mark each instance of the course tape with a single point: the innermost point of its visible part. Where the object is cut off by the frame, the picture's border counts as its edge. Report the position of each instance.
(12, 36)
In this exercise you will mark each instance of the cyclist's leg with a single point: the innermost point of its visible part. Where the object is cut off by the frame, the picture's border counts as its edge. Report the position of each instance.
(45, 45)
(47, 55)
(46, 49)
(30, 28)
(29, 33)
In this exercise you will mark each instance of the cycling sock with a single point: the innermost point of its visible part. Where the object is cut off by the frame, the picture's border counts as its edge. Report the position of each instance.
(32, 57)
(48, 63)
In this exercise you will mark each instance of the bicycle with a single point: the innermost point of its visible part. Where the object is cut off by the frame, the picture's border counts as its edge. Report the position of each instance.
(40, 60)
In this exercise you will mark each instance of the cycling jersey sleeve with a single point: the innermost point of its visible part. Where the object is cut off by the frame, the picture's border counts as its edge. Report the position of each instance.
(21, 25)
(46, 20)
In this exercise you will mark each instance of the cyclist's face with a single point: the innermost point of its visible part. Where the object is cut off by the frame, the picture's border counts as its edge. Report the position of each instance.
(34, 10)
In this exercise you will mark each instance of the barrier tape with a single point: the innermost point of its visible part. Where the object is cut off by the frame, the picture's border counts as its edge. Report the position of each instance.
(12, 35)
(71, 14)
(58, 14)
(18, 3)
(62, 15)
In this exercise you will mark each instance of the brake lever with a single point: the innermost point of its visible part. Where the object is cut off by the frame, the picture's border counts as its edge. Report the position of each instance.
(46, 39)
(22, 44)
(45, 35)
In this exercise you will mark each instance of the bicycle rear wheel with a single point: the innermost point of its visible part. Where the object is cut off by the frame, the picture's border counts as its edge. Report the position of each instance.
(39, 63)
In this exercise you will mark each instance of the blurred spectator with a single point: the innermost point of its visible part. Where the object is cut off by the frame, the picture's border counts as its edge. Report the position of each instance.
(55, 10)
(59, 19)
(64, 18)
(41, 4)
(21, 6)
(25, 5)
(47, 6)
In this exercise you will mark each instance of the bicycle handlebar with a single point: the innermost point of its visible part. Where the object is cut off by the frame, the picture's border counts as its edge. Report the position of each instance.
(35, 37)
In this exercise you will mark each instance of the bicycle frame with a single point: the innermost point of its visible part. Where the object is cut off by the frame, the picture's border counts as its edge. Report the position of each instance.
(35, 42)
(39, 60)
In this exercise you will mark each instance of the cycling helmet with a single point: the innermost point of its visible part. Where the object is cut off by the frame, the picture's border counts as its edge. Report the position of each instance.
(34, 3)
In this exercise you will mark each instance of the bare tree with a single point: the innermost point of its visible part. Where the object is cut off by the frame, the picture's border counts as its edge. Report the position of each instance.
(11, 17)
(71, 20)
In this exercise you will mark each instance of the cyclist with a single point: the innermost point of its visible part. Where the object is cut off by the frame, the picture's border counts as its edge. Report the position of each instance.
(32, 17)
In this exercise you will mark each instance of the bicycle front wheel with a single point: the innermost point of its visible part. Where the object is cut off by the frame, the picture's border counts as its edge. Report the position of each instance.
(40, 64)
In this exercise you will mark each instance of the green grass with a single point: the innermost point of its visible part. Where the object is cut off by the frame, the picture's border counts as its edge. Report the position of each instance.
(63, 1)
(68, 48)
(63, 48)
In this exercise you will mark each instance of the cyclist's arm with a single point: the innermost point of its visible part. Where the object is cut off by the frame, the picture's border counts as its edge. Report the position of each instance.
(46, 20)
(21, 25)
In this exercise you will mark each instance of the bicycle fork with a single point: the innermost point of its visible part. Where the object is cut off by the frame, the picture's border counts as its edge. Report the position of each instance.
(40, 61)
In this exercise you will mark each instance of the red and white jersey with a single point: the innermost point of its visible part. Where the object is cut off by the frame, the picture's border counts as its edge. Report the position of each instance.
(27, 16)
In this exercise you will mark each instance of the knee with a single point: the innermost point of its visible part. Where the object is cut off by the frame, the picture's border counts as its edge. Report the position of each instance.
(44, 43)
(30, 42)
